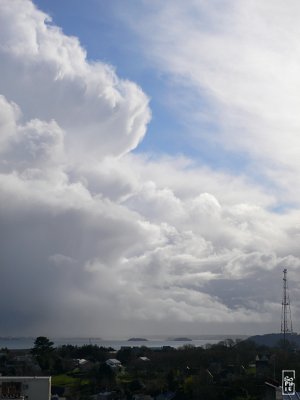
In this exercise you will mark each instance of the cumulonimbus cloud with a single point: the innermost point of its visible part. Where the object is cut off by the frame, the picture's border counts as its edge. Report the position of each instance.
(48, 76)
(96, 239)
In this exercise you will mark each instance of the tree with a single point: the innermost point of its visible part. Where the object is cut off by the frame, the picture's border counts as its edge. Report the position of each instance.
(42, 345)
(42, 351)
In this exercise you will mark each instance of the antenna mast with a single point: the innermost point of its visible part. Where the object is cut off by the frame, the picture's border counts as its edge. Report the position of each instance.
(286, 316)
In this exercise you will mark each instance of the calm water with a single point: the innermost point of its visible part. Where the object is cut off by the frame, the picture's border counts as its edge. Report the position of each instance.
(27, 342)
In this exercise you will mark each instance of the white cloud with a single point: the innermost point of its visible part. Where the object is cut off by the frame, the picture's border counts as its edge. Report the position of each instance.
(48, 76)
(33, 145)
(8, 116)
(96, 239)
(240, 60)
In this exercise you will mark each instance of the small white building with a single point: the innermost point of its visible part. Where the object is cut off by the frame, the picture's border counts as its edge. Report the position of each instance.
(25, 387)
(114, 364)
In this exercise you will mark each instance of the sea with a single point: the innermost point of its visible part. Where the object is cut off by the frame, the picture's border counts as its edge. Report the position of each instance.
(117, 343)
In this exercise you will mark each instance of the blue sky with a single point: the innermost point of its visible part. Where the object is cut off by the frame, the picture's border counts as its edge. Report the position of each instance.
(104, 31)
(149, 166)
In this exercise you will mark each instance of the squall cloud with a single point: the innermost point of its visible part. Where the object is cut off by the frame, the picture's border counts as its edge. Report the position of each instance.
(96, 239)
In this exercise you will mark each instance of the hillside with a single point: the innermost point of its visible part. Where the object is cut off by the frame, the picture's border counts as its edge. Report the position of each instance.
(273, 339)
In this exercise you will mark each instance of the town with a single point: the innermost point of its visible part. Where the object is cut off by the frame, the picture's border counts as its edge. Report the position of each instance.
(228, 370)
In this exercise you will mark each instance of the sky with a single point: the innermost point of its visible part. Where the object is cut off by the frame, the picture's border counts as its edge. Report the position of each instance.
(149, 166)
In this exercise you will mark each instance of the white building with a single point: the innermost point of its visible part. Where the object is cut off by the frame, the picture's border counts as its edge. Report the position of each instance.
(114, 364)
(25, 387)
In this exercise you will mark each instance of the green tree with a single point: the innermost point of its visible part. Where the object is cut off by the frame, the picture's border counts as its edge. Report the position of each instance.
(43, 351)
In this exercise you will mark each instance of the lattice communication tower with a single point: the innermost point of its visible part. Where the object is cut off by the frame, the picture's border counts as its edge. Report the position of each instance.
(286, 316)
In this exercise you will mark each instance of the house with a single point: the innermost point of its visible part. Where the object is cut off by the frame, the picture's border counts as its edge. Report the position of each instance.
(106, 396)
(114, 364)
(274, 392)
(263, 367)
(144, 358)
(83, 364)
(25, 387)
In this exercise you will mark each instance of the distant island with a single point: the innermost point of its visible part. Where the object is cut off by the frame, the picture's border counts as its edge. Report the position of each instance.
(182, 339)
(137, 339)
